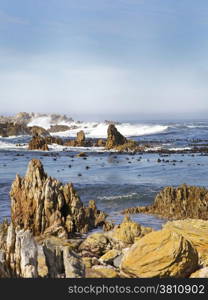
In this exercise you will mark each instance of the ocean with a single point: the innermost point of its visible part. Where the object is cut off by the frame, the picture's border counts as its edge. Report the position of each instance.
(115, 181)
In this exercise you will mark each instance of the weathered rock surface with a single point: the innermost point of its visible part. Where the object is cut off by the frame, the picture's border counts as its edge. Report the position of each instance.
(202, 273)
(96, 245)
(38, 131)
(101, 272)
(38, 143)
(29, 257)
(114, 138)
(13, 129)
(160, 254)
(58, 128)
(178, 203)
(196, 232)
(43, 205)
(80, 141)
(124, 234)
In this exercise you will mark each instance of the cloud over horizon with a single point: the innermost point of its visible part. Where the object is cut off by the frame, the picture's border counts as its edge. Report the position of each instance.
(125, 57)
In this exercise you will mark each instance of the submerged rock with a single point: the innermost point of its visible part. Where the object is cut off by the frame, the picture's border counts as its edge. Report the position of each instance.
(160, 254)
(44, 205)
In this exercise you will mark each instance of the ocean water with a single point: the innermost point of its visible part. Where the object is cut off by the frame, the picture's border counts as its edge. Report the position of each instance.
(115, 181)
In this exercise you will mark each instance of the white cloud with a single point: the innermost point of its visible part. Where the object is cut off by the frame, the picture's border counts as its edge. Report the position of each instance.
(51, 84)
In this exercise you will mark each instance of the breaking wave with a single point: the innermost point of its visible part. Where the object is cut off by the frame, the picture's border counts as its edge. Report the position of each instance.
(99, 130)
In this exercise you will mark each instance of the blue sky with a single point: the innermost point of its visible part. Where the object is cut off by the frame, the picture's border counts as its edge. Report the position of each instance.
(92, 57)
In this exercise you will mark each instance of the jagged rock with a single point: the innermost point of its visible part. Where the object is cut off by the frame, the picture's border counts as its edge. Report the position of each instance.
(38, 143)
(74, 268)
(4, 268)
(202, 273)
(195, 231)
(178, 203)
(44, 205)
(115, 138)
(80, 137)
(160, 254)
(125, 233)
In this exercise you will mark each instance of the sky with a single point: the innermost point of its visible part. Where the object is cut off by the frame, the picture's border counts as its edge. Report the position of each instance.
(104, 58)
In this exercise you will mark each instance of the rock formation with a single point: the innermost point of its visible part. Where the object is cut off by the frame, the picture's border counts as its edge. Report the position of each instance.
(38, 143)
(195, 231)
(38, 131)
(115, 138)
(80, 141)
(116, 141)
(12, 129)
(43, 205)
(58, 128)
(160, 254)
(178, 203)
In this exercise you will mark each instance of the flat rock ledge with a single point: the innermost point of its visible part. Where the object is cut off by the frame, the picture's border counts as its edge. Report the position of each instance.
(177, 203)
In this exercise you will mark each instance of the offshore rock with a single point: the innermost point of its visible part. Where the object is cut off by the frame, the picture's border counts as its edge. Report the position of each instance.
(13, 129)
(38, 143)
(58, 128)
(38, 131)
(178, 203)
(160, 254)
(115, 138)
(43, 205)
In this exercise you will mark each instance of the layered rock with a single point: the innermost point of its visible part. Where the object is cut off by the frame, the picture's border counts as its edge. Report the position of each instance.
(160, 254)
(43, 205)
(178, 203)
(24, 256)
(196, 232)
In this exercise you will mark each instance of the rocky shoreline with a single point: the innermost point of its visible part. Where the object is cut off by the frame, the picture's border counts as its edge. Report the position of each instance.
(46, 237)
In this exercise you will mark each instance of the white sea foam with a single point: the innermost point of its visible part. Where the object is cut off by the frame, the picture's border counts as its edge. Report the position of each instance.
(124, 196)
(99, 130)
(11, 146)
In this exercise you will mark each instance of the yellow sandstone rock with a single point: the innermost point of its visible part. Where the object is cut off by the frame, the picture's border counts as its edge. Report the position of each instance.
(101, 272)
(202, 273)
(195, 231)
(126, 232)
(110, 256)
(160, 254)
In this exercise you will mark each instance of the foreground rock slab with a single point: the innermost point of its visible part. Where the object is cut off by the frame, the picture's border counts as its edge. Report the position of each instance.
(160, 254)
